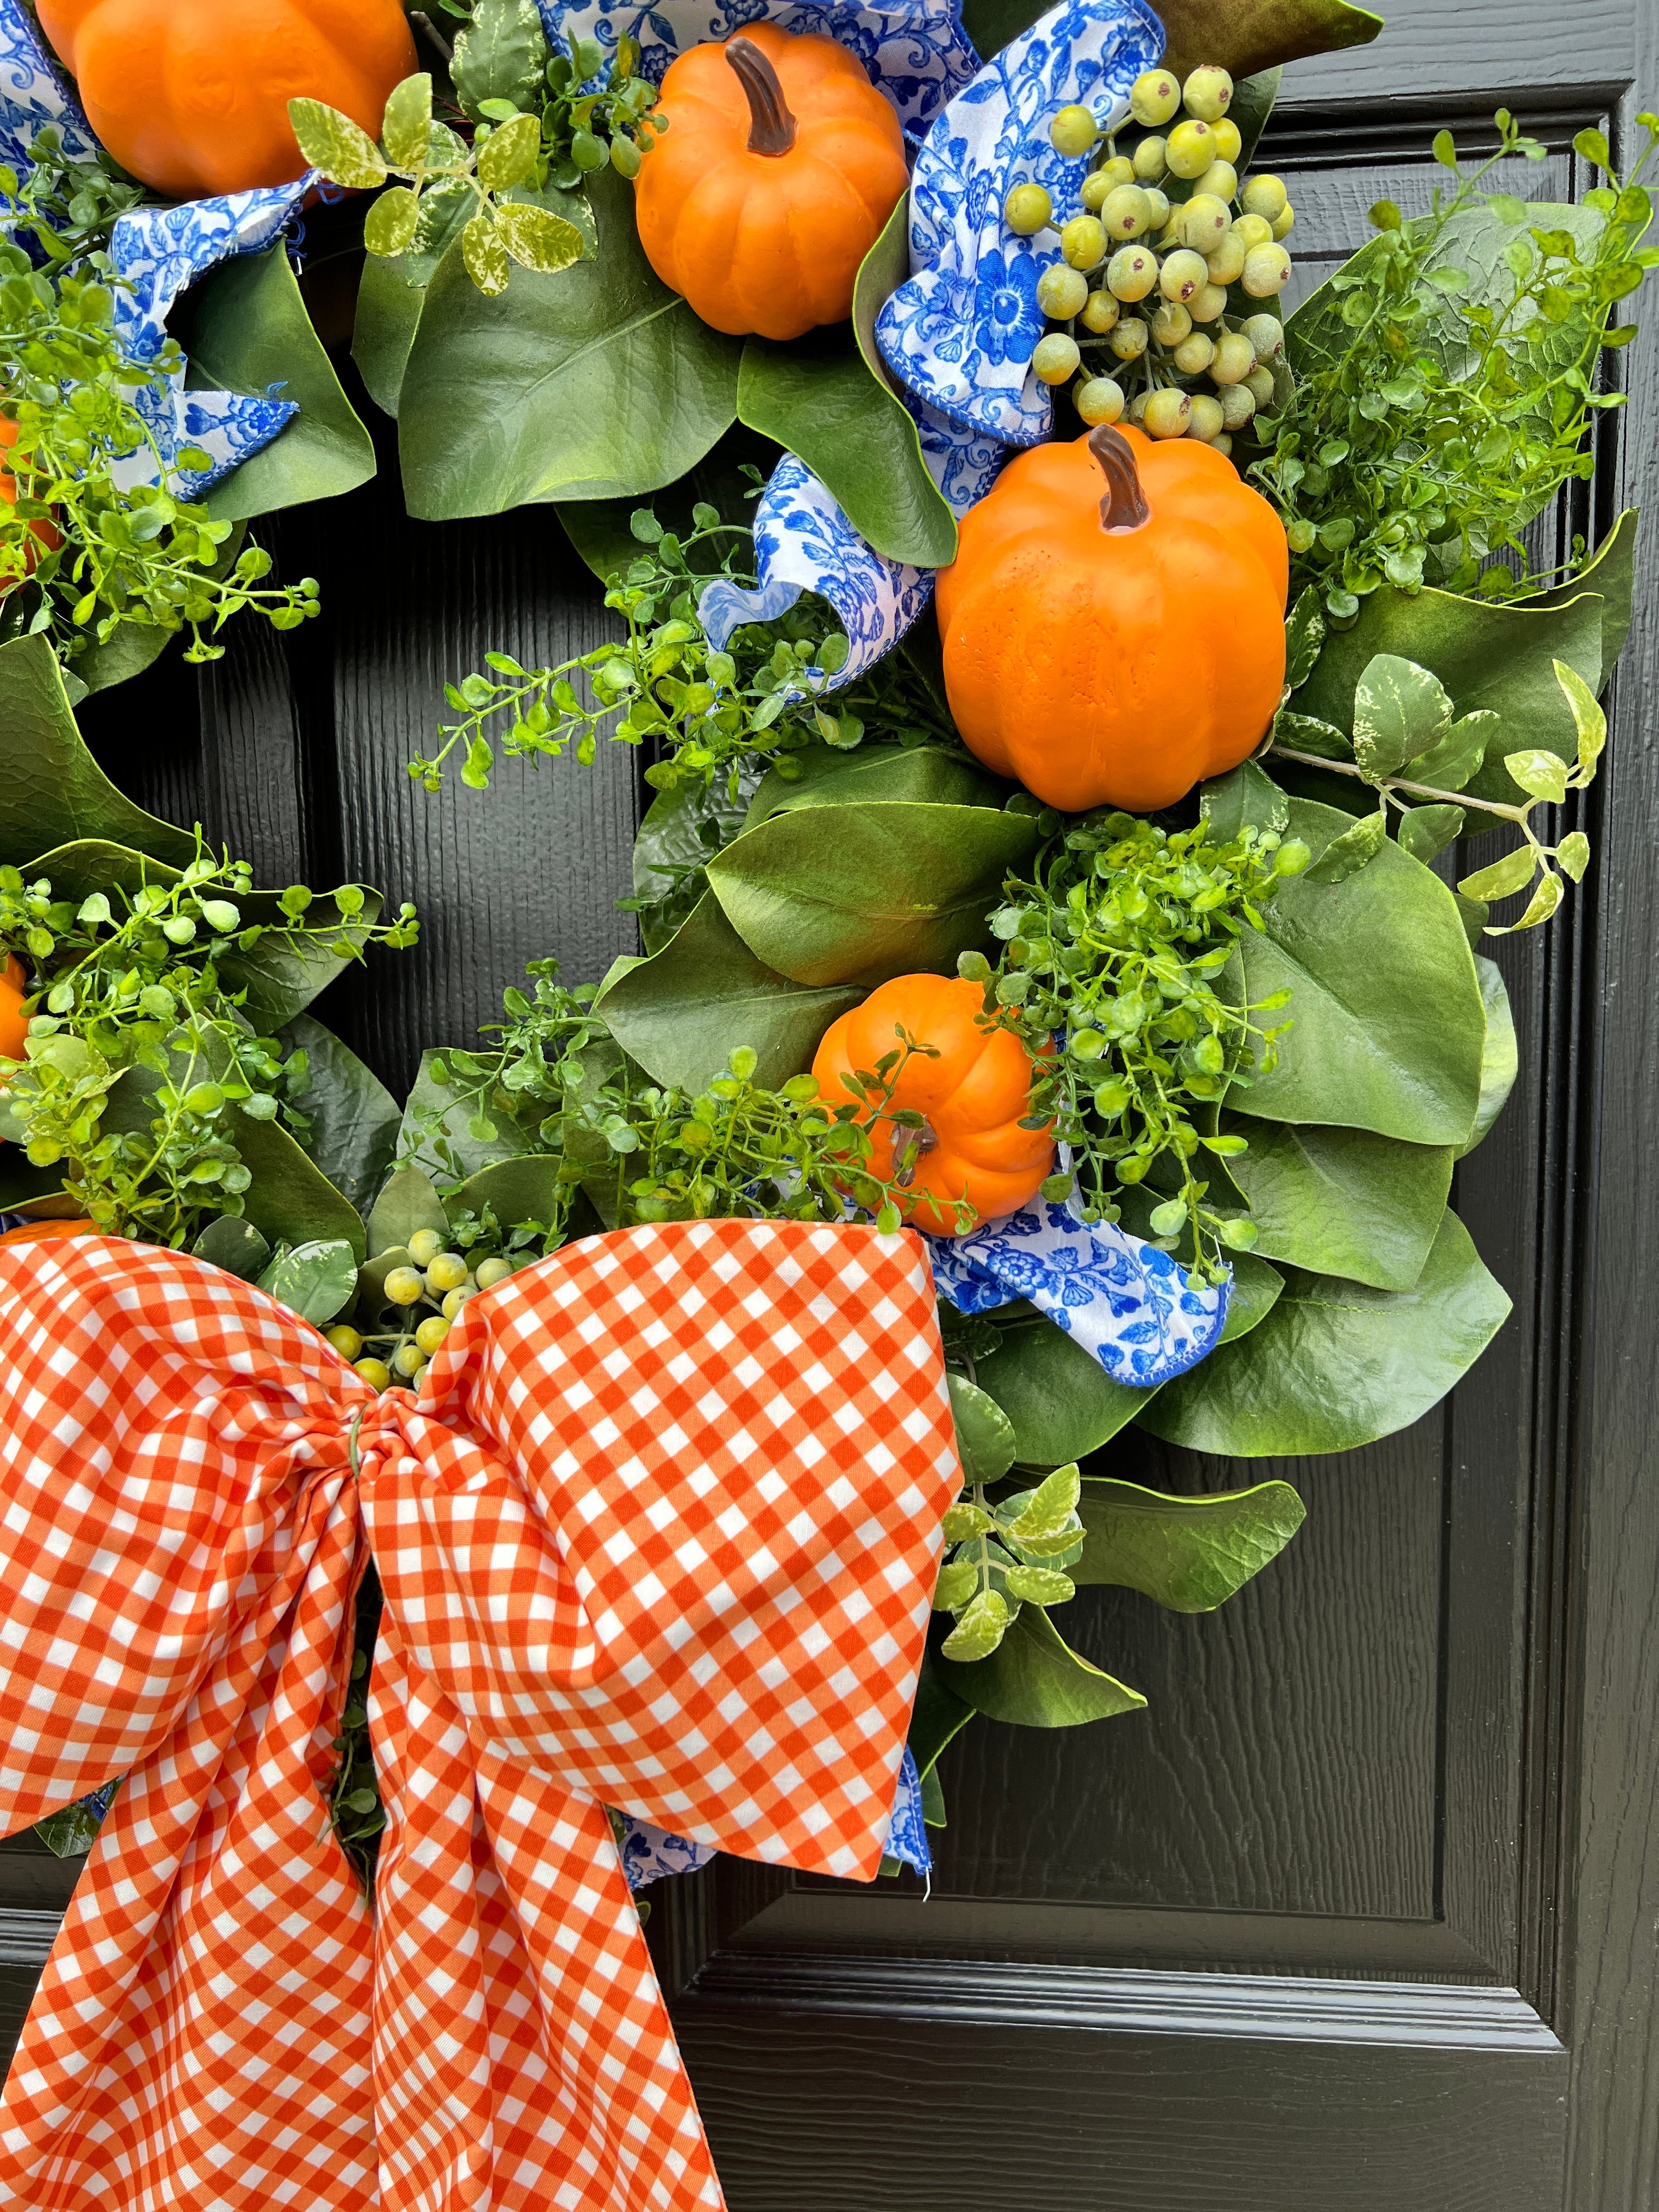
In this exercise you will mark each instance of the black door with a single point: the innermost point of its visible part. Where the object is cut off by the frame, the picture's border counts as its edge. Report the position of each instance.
(1361, 1912)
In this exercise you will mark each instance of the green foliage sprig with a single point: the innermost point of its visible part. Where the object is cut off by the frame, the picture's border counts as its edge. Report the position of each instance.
(137, 1054)
(355, 1809)
(1113, 953)
(93, 554)
(712, 712)
(1439, 405)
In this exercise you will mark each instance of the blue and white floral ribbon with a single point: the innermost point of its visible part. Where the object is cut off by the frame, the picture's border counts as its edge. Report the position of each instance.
(1118, 1297)
(961, 331)
(648, 1853)
(157, 253)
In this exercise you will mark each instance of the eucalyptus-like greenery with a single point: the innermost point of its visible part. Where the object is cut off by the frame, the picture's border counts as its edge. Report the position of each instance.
(1112, 953)
(139, 1067)
(712, 712)
(91, 555)
(1446, 377)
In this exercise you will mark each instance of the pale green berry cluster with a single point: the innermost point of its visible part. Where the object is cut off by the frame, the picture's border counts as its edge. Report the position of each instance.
(429, 1292)
(1145, 280)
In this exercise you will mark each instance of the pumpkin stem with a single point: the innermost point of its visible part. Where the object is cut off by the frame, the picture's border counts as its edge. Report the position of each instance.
(771, 126)
(1124, 508)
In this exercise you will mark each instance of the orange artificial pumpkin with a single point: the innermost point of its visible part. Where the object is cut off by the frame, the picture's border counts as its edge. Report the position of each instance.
(191, 95)
(49, 1232)
(14, 1023)
(971, 1098)
(780, 165)
(1114, 650)
(44, 530)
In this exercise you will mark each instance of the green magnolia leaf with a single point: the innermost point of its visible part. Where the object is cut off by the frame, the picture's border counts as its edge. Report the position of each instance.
(1246, 794)
(1033, 1679)
(235, 1245)
(1500, 1058)
(452, 1103)
(829, 398)
(1610, 570)
(316, 1280)
(937, 1716)
(1386, 1011)
(1191, 1554)
(1347, 854)
(407, 1203)
(1502, 879)
(985, 1435)
(332, 142)
(354, 1117)
(1456, 754)
(682, 826)
(391, 224)
(511, 155)
(1588, 720)
(281, 976)
(499, 54)
(406, 125)
(1336, 1364)
(598, 383)
(392, 293)
(290, 1200)
(924, 776)
(53, 793)
(1342, 1201)
(515, 1191)
(1427, 830)
(1540, 774)
(244, 329)
(868, 891)
(1398, 711)
(680, 1013)
(536, 237)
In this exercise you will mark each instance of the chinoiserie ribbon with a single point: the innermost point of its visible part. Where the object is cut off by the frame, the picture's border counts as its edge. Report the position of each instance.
(659, 1532)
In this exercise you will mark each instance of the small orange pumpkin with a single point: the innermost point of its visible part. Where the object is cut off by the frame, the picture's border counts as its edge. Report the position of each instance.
(43, 531)
(1115, 651)
(971, 1098)
(780, 165)
(49, 1232)
(14, 1023)
(191, 95)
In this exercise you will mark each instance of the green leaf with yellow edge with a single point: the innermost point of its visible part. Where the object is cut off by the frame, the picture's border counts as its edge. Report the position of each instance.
(1190, 1554)
(1502, 879)
(1034, 1679)
(332, 142)
(1336, 1364)
(406, 125)
(536, 237)
(1541, 905)
(1588, 720)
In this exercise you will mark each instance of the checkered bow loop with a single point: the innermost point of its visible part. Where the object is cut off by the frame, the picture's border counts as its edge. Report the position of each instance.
(660, 1532)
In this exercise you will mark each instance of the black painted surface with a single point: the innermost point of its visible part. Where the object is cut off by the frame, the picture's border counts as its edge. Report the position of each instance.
(1413, 1769)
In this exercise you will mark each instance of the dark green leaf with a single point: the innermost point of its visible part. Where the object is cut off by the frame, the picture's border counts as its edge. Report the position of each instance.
(1336, 1364)
(290, 1200)
(937, 1716)
(1346, 855)
(680, 1013)
(860, 893)
(1456, 754)
(1500, 1060)
(922, 774)
(1033, 1679)
(1242, 40)
(1427, 830)
(598, 383)
(1388, 1021)
(1191, 1554)
(354, 1117)
(67, 1834)
(1342, 1201)
(499, 54)
(392, 293)
(235, 1245)
(515, 1191)
(1247, 794)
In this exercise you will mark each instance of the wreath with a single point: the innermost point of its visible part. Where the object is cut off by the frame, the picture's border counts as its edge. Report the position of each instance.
(1059, 750)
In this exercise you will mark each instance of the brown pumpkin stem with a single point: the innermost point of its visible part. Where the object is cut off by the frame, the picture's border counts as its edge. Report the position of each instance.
(771, 126)
(1124, 508)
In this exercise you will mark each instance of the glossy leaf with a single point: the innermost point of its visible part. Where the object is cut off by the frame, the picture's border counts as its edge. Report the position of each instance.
(598, 383)
(1541, 905)
(1034, 1679)
(1343, 1202)
(409, 1202)
(354, 1117)
(1502, 879)
(1427, 830)
(316, 1280)
(499, 54)
(1398, 711)
(985, 1435)
(514, 1191)
(1500, 1058)
(1246, 794)
(392, 293)
(406, 122)
(1345, 854)
(680, 1013)
(290, 1200)
(235, 1245)
(682, 827)
(1456, 754)
(1190, 1554)
(1588, 720)
(865, 892)
(925, 775)
(937, 1715)
(1336, 1364)
(1540, 774)
(1388, 1022)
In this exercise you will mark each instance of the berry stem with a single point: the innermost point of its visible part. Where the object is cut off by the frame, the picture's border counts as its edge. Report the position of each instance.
(771, 126)
(1124, 508)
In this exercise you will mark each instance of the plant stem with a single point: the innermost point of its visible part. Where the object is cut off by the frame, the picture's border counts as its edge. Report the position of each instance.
(1516, 814)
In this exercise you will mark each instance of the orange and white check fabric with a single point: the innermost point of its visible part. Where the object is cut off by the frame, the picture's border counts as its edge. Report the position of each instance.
(660, 1532)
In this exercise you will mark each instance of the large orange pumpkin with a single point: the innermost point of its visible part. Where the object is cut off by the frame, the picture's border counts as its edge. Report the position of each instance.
(14, 1023)
(49, 1232)
(781, 164)
(971, 1096)
(191, 95)
(1114, 621)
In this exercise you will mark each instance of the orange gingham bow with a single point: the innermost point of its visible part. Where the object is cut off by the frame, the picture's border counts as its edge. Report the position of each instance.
(660, 1532)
